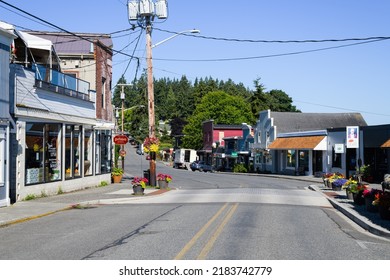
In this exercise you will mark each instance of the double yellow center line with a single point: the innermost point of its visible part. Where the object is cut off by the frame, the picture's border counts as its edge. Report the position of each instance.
(210, 243)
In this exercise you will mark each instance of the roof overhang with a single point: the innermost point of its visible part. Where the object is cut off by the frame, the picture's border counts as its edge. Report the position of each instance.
(35, 42)
(299, 143)
(386, 144)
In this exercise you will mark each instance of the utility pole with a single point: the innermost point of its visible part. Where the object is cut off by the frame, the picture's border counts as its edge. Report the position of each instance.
(152, 160)
(143, 12)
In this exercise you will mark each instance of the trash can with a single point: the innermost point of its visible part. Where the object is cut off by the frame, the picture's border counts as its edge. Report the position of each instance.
(147, 174)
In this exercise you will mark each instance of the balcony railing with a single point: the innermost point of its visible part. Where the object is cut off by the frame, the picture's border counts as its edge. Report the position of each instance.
(61, 83)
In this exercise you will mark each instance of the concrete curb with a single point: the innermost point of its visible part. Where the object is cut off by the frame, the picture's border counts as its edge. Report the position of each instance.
(351, 214)
(29, 218)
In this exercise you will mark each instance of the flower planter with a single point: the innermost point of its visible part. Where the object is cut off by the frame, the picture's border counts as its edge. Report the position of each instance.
(162, 184)
(369, 206)
(336, 187)
(116, 178)
(358, 198)
(138, 190)
(349, 195)
(384, 211)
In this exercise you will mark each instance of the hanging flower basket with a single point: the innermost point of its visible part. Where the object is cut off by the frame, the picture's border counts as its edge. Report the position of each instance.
(151, 144)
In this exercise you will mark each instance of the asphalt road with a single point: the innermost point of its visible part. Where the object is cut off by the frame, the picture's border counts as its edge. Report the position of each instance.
(205, 216)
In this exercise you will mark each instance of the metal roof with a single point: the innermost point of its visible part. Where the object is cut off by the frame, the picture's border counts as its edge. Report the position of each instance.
(65, 43)
(296, 122)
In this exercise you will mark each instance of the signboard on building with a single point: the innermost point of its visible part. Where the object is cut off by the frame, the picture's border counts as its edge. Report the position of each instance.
(121, 139)
(352, 137)
(339, 148)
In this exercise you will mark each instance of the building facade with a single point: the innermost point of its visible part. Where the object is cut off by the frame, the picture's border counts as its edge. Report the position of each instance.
(296, 143)
(6, 122)
(62, 139)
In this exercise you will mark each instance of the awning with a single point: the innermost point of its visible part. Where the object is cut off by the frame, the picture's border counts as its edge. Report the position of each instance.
(386, 144)
(34, 42)
(296, 143)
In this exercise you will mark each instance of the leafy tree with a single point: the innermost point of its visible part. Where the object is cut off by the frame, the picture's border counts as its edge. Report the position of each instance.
(222, 108)
(274, 100)
(279, 101)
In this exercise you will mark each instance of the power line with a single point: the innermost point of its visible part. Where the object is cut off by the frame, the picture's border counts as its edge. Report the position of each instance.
(64, 30)
(266, 56)
(276, 41)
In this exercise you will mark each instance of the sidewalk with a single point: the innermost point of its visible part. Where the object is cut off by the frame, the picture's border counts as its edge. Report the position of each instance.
(33, 209)
(29, 210)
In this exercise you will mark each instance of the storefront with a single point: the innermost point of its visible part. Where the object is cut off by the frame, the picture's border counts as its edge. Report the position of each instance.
(299, 155)
(56, 154)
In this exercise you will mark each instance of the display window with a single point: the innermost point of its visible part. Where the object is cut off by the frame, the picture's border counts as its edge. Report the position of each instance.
(42, 153)
(103, 150)
(73, 147)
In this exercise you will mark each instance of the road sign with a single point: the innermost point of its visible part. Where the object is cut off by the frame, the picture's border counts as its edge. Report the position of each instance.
(122, 153)
(121, 139)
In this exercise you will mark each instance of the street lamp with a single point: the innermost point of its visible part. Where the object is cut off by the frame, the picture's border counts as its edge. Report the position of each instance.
(177, 34)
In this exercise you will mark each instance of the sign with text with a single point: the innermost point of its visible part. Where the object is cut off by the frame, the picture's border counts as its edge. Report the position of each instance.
(121, 139)
(353, 137)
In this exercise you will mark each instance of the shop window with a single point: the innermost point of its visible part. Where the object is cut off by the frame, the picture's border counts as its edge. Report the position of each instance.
(103, 151)
(73, 136)
(304, 160)
(88, 151)
(291, 158)
(43, 153)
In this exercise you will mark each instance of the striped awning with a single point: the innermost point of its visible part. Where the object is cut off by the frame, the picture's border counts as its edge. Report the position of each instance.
(296, 143)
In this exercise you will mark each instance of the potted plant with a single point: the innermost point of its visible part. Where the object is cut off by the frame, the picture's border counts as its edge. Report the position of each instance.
(369, 197)
(326, 178)
(357, 193)
(163, 180)
(139, 184)
(117, 174)
(382, 199)
(349, 186)
(337, 180)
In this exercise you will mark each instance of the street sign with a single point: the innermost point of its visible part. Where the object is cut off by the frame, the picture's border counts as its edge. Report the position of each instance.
(121, 139)
(122, 153)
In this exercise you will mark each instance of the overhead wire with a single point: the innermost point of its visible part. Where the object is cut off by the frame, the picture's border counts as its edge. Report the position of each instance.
(275, 41)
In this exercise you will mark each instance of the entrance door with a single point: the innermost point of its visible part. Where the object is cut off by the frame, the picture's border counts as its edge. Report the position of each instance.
(3, 185)
(351, 162)
(317, 161)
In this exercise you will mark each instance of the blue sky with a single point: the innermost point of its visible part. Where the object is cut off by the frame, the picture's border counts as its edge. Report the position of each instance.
(319, 77)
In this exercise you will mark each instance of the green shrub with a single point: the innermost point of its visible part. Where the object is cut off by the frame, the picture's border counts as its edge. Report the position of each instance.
(240, 168)
(30, 197)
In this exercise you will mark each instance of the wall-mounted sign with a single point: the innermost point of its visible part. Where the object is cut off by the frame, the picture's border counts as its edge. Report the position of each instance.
(121, 139)
(352, 137)
(339, 148)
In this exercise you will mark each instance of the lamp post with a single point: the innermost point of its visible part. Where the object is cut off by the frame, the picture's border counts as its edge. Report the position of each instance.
(122, 124)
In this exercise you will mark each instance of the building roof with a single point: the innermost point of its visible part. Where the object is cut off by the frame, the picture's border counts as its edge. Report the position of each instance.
(296, 122)
(65, 43)
(307, 142)
(386, 144)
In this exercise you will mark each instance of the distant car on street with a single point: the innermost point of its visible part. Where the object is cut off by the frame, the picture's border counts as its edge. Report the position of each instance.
(201, 166)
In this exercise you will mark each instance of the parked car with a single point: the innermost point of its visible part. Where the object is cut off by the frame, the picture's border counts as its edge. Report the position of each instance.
(201, 166)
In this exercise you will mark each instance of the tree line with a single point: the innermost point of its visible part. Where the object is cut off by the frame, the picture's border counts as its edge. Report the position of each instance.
(184, 105)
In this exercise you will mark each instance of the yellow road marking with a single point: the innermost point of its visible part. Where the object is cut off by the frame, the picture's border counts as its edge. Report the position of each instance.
(209, 245)
(192, 242)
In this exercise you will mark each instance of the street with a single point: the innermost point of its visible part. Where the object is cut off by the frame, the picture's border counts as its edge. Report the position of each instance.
(212, 216)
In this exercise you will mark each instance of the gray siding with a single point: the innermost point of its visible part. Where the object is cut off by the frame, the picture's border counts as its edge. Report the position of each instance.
(28, 96)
